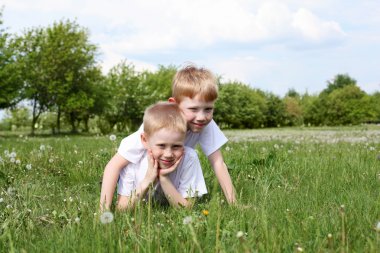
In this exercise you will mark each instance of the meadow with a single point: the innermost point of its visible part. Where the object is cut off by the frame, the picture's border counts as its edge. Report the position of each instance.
(298, 189)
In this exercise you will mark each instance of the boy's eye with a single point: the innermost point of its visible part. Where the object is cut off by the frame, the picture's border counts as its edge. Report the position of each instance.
(161, 145)
(177, 147)
(209, 109)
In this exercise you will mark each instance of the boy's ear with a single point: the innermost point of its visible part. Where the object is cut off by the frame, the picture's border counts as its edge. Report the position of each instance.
(172, 100)
(144, 140)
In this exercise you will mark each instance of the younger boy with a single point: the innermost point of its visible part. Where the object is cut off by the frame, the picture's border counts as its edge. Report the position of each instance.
(173, 170)
(195, 90)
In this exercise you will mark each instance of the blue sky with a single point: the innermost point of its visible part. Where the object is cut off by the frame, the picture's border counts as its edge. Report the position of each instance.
(270, 45)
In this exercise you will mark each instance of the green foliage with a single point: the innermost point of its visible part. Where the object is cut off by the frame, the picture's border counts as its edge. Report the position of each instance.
(10, 81)
(347, 105)
(293, 111)
(239, 106)
(275, 110)
(339, 81)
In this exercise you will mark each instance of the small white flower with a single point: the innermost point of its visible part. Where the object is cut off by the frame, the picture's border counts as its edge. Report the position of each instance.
(13, 160)
(329, 236)
(378, 226)
(228, 148)
(28, 166)
(112, 137)
(9, 206)
(187, 220)
(106, 217)
(80, 162)
(13, 154)
(51, 160)
(276, 146)
(42, 147)
(299, 249)
(1, 200)
(239, 234)
(18, 161)
(77, 219)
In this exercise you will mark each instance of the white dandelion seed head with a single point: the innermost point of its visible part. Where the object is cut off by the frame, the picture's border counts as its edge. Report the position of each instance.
(239, 234)
(1, 200)
(299, 249)
(42, 147)
(106, 217)
(77, 220)
(329, 235)
(13, 154)
(51, 160)
(80, 162)
(13, 160)
(28, 166)
(187, 220)
(18, 161)
(377, 228)
(112, 137)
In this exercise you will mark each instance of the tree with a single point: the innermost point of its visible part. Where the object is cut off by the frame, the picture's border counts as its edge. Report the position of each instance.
(240, 106)
(30, 57)
(10, 81)
(293, 111)
(274, 116)
(338, 82)
(347, 105)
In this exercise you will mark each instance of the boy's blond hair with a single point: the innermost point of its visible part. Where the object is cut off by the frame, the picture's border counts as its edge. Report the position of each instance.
(164, 115)
(192, 81)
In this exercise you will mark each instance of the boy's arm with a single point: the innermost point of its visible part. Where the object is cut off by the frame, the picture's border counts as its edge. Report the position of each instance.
(172, 195)
(128, 202)
(221, 172)
(110, 177)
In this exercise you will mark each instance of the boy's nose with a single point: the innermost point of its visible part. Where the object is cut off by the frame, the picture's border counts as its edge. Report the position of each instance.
(201, 116)
(168, 153)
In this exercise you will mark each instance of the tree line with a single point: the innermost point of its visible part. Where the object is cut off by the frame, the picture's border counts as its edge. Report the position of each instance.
(50, 78)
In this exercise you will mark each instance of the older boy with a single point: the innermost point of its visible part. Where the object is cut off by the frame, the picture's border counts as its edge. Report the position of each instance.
(195, 90)
(173, 170)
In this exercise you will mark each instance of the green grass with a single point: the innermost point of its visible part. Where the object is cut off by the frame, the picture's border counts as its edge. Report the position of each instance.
(294, 187)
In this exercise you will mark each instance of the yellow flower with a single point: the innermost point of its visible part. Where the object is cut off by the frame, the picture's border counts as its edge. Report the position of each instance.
(205, 212)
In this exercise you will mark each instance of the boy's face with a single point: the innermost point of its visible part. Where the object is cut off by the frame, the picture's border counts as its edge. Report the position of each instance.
(198, 113)
(166, 145)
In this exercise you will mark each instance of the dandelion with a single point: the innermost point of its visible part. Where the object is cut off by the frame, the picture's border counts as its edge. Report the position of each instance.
(112, 137)
(299, 249)
(329, 236)
(205, 212)
(13, 154)
(18, 161)
(228, 148)
(239, 234)
(187, 220)
(28, 166)
(42, 147)
(1, 200)
(276, 146)
(377, 228)
(80, 162)
(77, 220)
(13, 160)
(106, 217)
(51, 160)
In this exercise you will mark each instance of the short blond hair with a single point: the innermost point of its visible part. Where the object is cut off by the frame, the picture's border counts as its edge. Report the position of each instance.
(191, 81)
(164, 115)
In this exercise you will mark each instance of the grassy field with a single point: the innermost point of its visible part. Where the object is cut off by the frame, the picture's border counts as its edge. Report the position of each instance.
(304, 189)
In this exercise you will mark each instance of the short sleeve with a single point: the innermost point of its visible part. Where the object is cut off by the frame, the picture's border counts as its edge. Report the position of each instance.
(131, 147)
(127, 181)
(211, 138)
(191, 180)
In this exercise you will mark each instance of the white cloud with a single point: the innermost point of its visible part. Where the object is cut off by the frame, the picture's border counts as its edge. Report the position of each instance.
(315, 29)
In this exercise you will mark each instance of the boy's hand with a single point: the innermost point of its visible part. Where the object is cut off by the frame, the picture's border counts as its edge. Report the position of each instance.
(166, 172)
(152, 172)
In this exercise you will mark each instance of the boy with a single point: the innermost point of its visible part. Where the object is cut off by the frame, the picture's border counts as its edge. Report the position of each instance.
(173, 170)
(195, 90)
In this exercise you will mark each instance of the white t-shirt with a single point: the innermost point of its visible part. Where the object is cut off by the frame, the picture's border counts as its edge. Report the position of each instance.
(187, 178)
(211, 138)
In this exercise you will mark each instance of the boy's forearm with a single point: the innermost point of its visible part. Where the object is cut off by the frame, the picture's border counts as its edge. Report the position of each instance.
(109, 182)
(172, 195)
(140, 192)
(224, 178)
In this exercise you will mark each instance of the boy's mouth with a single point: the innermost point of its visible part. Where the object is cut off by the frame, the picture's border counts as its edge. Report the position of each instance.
(167, 162)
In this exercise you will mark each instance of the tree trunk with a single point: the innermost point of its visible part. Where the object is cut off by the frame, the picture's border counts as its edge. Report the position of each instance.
(59, 120)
